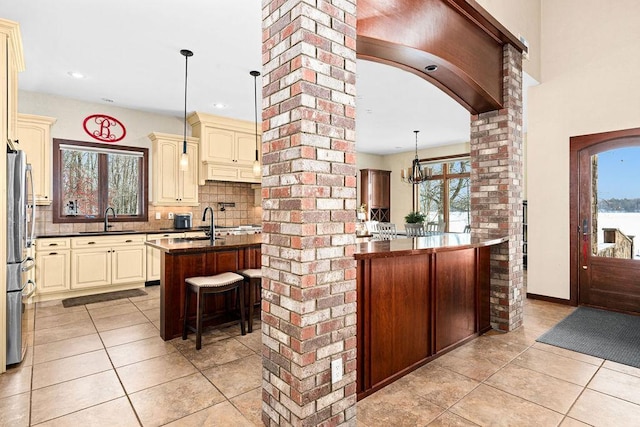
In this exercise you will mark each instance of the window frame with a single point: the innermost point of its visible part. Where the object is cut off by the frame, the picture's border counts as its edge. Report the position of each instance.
(444, 176)
(143, 184)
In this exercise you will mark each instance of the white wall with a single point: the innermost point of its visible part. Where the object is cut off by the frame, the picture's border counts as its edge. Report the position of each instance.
(70, 115)
(589, 84)
(520, 17)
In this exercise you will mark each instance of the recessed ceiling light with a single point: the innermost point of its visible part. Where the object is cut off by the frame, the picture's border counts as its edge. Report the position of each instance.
(430, 68)
(220, 105)
(76, 75)
(107, 99)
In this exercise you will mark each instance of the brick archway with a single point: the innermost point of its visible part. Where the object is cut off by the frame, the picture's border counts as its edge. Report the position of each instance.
(309, 190)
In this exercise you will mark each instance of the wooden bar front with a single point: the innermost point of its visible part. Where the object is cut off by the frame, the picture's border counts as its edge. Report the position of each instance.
(418, 299)
(183, 258)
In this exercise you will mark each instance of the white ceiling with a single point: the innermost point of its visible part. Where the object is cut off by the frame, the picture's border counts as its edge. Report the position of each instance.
(129, 52)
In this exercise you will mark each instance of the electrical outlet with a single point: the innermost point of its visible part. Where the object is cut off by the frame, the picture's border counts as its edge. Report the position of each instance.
(336, 370)
(170, 215)
(158, 215)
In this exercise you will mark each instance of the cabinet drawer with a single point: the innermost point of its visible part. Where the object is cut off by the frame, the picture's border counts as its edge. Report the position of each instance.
(97, 241)
(56, 243)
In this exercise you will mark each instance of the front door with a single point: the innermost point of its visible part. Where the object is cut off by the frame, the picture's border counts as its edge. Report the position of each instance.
(605, 220)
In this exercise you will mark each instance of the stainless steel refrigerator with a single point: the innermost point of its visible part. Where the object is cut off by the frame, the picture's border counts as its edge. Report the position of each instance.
(20, 235)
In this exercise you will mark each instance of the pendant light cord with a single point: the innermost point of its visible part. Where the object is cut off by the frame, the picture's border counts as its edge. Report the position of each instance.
(186, 53)
(186, 75)
(255, 75)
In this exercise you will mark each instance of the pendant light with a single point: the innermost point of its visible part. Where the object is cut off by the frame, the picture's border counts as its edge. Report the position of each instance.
(257, 170)
(415, 175)
(184, 159)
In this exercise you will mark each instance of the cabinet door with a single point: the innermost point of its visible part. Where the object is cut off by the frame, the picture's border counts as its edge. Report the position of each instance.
(90, 268)
(218, 145)
(34, 133)
(380, 189)
(455, 297)
(166, 174)
(246, 149)
(52, 271)
(189, 184)
(154, 256)
(12, 96)
(128, 264)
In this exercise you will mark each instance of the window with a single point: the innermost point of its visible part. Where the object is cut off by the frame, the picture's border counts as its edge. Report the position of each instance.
(446, 196)
(88, 178)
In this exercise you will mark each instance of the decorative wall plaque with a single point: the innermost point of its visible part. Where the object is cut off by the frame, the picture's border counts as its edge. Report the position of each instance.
(104, 128)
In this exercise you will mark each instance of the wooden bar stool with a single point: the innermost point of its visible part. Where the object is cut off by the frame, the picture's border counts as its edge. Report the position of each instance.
(203, 285)
(252, 276)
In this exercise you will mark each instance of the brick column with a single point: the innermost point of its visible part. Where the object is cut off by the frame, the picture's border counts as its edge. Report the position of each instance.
(496, 192)
(309, 191)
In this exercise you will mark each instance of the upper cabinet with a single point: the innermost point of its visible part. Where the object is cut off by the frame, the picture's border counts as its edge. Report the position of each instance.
(34, 134)
(376, 194)
(227, 148)
(170, 185)
(11, 62)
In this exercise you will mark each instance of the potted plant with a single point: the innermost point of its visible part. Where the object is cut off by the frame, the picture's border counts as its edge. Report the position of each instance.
(415, 224)
(415, 218)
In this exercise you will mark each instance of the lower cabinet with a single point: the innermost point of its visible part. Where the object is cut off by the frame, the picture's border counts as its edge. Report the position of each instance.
(413, 308)
(154, 256)
(53, 263)
(84, 265)
(103, 261)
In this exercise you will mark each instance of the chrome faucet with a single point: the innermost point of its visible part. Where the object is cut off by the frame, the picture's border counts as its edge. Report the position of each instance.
(106, 217)
(212, 227)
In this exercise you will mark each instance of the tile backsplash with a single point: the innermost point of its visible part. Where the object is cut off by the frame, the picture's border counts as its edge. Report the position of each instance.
(213, 192)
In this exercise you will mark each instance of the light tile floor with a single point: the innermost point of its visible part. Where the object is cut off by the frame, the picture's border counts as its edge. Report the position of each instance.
(105, 365)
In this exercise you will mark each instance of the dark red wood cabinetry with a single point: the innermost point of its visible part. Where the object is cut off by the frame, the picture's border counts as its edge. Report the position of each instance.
(415, 305)
(182, 259)
(375, 192)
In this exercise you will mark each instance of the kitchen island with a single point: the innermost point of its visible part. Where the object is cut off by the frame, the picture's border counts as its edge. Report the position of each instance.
(418, 298)
(190, 257)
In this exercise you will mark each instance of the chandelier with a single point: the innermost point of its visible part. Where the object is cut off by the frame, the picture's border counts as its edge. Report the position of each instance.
(415, 174)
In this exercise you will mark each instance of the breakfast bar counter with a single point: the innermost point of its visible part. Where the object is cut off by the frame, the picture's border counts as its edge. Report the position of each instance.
(191, 257)
(418, 298)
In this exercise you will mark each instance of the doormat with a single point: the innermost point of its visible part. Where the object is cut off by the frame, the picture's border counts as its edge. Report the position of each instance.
(109, 296)
(600, 333)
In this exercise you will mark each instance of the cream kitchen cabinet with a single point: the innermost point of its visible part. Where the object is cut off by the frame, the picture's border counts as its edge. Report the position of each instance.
(170, 185)
(100, 261)
(53, 264)
(154, 256)
(227, 148)
(12, 62)
(34, 133)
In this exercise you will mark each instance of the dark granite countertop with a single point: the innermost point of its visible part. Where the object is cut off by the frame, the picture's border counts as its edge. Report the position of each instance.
(197, 245)
(419, 245)
(157, 231)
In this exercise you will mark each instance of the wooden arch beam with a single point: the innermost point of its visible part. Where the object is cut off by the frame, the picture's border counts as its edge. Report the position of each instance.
(458, 36)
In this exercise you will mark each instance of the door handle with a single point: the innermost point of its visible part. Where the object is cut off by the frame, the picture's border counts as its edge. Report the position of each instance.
(585, 241)
(31, 291)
